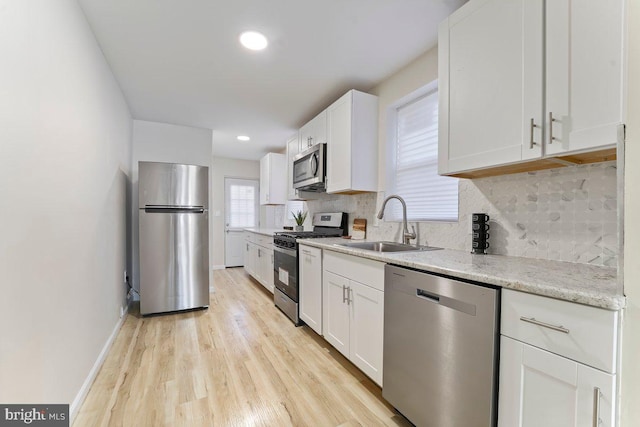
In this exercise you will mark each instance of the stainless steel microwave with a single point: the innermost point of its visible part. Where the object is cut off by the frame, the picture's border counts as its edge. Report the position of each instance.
(310, 169)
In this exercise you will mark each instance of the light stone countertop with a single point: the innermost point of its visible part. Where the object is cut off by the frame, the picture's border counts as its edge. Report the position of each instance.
(580, 283)
(265, 231)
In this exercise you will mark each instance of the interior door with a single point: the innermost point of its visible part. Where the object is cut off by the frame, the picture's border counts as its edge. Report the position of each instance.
(242, 210)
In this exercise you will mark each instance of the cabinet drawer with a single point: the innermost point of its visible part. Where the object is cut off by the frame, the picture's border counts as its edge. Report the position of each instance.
(249, 236)
(262, 240)
(362, 270)
(579, 332)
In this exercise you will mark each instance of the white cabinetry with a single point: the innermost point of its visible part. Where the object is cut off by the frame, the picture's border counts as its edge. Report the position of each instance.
(273, 185)
(250, 252)
(538, 388)
(310, 284)
(353, 310)
(352, 143)
(293, 148)
(258, 258)
(584, 59)
(314, 131)
(492, 56)
(549, 353)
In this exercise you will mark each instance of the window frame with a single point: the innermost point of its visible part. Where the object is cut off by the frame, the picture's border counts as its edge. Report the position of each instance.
(391, 144)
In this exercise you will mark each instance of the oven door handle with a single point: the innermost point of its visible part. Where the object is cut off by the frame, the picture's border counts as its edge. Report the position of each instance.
(290, 252)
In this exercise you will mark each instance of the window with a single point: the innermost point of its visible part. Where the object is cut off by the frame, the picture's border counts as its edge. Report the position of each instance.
(242, 203)
(412, 161)
(294, 206)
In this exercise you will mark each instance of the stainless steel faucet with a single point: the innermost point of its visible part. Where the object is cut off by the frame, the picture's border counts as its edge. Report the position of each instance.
(406, 235)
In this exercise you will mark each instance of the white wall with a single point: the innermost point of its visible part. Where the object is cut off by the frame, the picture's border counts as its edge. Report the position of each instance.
(630, 371)
(571, 235)
(222, 168)
(65, 138)
(421, 71)
(162, 142)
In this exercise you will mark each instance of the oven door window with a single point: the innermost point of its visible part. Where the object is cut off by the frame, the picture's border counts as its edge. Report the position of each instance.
(285, 274)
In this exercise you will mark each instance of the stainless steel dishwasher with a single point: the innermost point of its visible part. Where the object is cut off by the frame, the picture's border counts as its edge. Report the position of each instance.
(440, 349)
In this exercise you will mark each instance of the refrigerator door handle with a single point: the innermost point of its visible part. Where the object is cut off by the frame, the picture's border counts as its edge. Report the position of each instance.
(174, 209)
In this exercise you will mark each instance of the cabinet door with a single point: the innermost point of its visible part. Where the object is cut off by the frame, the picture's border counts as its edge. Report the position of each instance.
(269, 270)
(366, 329)
(584, 60)
(264, 267)
(314, 131)
(335, 319)
(292, 150)
(310, 274)
(491, 76)
(247, 257)
(251, 254)
(596, 397)
(339, 116)
(538, 388)
(273, 190)
(265, 173)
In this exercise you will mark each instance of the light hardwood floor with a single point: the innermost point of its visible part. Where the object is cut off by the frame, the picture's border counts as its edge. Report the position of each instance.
(239, 363)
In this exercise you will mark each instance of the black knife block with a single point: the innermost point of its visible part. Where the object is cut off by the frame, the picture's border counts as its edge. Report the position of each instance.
(479, 233)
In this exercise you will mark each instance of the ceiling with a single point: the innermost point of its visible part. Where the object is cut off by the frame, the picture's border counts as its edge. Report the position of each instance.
(180, 62)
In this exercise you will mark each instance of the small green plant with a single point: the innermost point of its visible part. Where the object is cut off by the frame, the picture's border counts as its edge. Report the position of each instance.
(299, 217)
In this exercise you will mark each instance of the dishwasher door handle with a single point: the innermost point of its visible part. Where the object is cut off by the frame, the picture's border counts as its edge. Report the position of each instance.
(428, 296)
(444, 301)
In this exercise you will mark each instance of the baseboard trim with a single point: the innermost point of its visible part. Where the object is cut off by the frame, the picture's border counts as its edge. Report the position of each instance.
(88, 382)
(218, 267)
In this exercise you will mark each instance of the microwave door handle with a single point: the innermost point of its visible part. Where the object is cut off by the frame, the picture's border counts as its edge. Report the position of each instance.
(313, 162)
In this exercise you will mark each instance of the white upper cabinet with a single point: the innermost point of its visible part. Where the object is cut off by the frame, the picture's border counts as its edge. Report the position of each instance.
(273, 175)
(314, 132)
(494, 59)
(483, 72)
(293, 148)
(583, 73)
(352, 143)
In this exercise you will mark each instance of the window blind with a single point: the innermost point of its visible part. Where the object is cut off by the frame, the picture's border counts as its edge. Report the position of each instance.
(414, 168)
(242, 205)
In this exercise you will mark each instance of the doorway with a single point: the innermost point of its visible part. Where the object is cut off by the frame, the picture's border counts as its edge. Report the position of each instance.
(241, 210)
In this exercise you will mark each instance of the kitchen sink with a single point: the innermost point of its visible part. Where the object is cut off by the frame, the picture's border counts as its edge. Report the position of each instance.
(387, 247)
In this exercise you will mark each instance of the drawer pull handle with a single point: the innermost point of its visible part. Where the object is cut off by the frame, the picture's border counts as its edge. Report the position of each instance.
(545, 325)
(596, 407)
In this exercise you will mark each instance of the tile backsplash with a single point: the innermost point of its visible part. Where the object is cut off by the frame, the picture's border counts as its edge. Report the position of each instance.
(564, 214)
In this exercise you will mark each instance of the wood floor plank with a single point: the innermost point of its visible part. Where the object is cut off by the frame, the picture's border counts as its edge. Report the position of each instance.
(241, 362)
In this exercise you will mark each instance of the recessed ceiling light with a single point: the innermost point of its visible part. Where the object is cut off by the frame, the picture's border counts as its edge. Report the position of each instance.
(253, 40)
(243, 138)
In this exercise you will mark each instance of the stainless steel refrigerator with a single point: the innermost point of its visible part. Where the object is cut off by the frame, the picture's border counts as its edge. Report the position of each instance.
(173, 236)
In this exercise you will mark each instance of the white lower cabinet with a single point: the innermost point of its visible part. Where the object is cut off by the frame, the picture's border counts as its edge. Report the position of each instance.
(336, 312)
(539, 388)
(258, 259)
(366, 329)
(353, 312)
(264, 267)
(310, 286)
(250, 252)
(557, 363)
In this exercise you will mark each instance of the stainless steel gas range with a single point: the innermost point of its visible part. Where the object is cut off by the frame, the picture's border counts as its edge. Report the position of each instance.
(285, 263)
